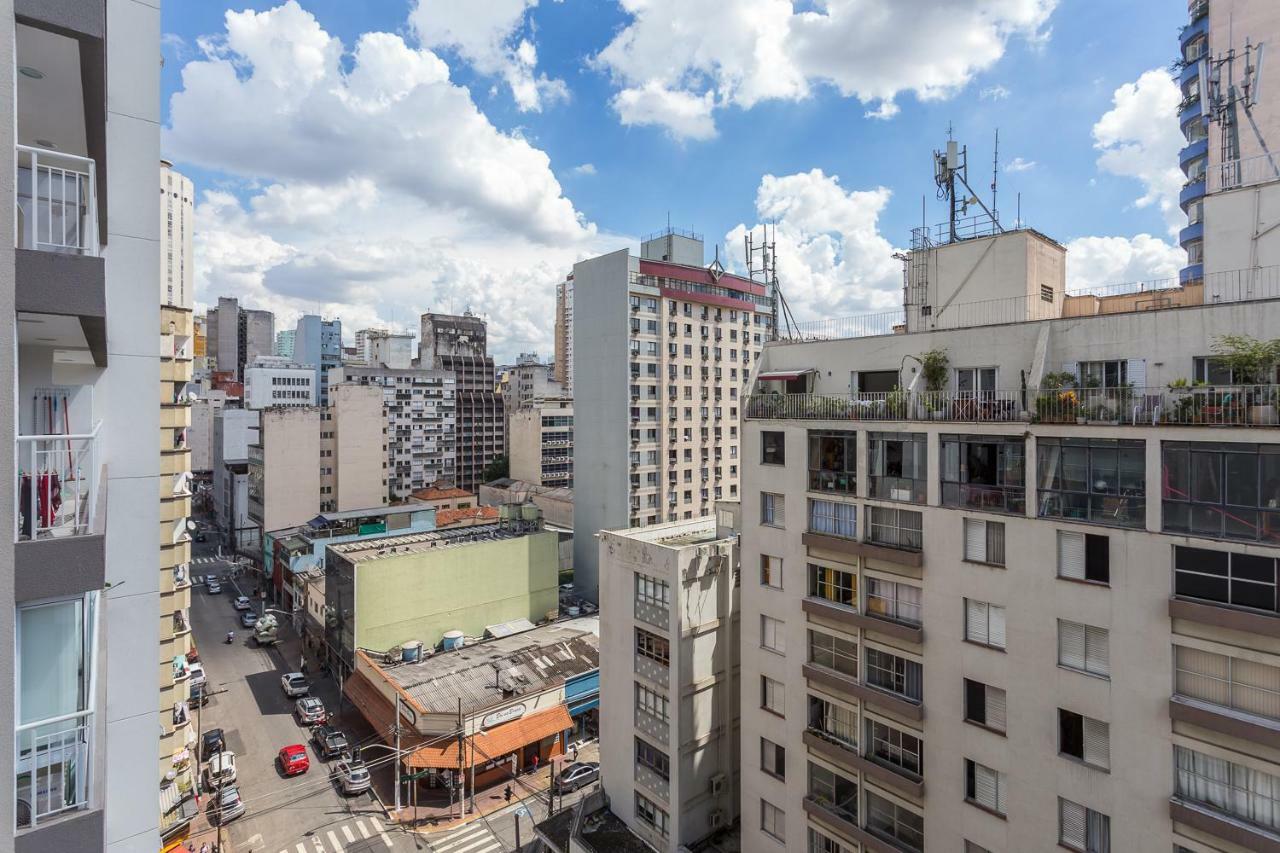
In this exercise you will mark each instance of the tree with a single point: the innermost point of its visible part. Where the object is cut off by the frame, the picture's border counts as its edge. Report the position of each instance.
(497, 469)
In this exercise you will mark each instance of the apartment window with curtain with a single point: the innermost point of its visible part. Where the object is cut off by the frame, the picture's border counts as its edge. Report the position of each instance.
(895, 748)
(1084, 557)
(833, 722)
(898, 466)
(833, 458)
(1234, 683)
(984, 541)
(1223, 577)
(1084, 739)
(984, 472)
(1083, 829)
(1222, 491)
(896, 602)
(772, 510)
(984, 623)
(55, 680)
(833, 585)
(895, 528)
(984, 705)
(985, 787)
(1094, 480)
(895, 674)
(1084, 648)
(899, 824)
(833, 653)
(1228, 787)
(832, 518)
(834, 791)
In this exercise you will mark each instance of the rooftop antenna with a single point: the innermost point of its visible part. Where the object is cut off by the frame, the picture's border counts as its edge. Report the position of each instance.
(949, 166)
(762, 268)
(995, 175)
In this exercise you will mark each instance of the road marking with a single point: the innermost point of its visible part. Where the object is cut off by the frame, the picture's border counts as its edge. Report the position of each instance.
(364, 830)
(301, 848)
(468, 839)
(482, 846)
(351, 836)
(333, 839)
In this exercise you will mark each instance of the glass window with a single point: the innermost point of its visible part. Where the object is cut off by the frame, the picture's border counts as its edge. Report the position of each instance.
(895, 674)
(984, 623)
(773, 448)
(833, 460)
(984, 541)
(772, 695)
(898, 823)
(1228, 682)
(1084, 556)
(822, 843)
(834, 791)
(1097, 480)
(1227, 787)
(772, 634)
(773, 758)
(984, 705)
(648, 755)
(652, 591)
(651, 702)
(773, 820)
(895, 528)
(1084, 647)
(653, 647)
(833, 722)
(834, 653)
(772, 510)
(974, 381)
(1223, 577)
(1084, 738)
(984, 472)
(771, 571)
(833, 585)
(652, 816)
(897, 602)
(1224, 491)
(833, 518)
(896, 748)
(1104, 374)
(898, 466)
(986, 787)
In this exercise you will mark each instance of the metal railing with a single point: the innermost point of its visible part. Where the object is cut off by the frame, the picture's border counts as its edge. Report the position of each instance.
(57, 202)
(1234, 174)
(57, 485)
(52, 767)
(1218, 405)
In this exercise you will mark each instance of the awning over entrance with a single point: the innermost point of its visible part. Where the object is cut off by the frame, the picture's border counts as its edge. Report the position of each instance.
(783, 375)
(494, 743)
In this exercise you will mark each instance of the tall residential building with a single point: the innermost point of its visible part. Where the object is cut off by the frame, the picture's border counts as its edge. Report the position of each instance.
(1233, 178)
(277, 381)
(318, 342)
(200, 436)
(87, 466)
(234, 429)
(670, 344)
(522, 384)
(284, 343)
(564, 335)
(177, 271)
(669, 680)
(541, 442)
(1024, 599)
(388, 349)
(457, 343)
(236, 336)
(418, 420)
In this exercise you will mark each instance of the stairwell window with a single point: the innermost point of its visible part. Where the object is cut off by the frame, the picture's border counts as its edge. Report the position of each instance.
(985, 787)
(984, 541)
(984, 705)
(984, 623)
(1083, 829)
(1084, 557)
(1084, 648)
(1084, 739)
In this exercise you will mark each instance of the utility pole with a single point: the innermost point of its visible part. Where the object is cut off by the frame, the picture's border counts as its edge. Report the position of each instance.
(397, 758)
(462, 773)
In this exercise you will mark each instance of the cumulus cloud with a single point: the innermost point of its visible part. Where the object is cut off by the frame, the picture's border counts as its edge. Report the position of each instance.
(1100, 261)
(364, 184)
(884, 112)
(584, 169)
(832, 259)
(1018, 164)
(723, 53)
(490, 36)
(1139, 138)
(994, 93)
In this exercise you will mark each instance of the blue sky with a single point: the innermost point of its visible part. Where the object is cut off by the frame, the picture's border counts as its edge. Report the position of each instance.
(618, 123)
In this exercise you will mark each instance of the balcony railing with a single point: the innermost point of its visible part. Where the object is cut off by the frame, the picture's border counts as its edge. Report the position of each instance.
(57, 202)
(1234, 174)
(52, 767)
(57, 485)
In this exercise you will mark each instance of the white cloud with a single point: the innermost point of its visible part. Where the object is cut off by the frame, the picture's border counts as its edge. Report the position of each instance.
(1100, 261)
(725, 53)
(1139, 138)
(366, 185)
(884, 112)
(487, 35)
(584, 169)
(1017, 164)
(683, 114)
(994, 93)
(832, 259)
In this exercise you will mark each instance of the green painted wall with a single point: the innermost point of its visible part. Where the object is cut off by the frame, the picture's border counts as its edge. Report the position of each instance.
(420, 596)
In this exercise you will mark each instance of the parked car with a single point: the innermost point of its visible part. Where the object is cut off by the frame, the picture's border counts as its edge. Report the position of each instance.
(242, 602)
(575, 775)
(293, 760)
(221, 771)
(195, 673)
(201, 536)
(248, 619)
(310, 711)
(198, 695)
(329, 742)
(295, 684)
(212, 586)
(226, 806)
(211, 743)
(351, 775)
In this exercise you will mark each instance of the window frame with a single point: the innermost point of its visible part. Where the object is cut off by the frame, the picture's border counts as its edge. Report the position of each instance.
(653, 703)
(831, 650)
(652, 815)
(777, 827)
(993, 540)
(890, 487)
(767, 690)
(773, 510)
(898, 669)
(649, 645)
(893, 607)
(885, 819)
(773, 447)
(832, 721)
(1232, 576)
(652, 591)
(829, 788)
(985, 624)
(894, 748)
(1087, 816)
(834, 586)
(773, 759)
(1095, 557)
(1188, 467)
(771, 626)
(990, 721)
(1077, 730)
(1006, 495)
(652, 758)
(891, 532)
(999, 782)
(1227, 684)
(768, 572)
(832, 518)
(1083, 486)
(823, 478)
(1101, 640)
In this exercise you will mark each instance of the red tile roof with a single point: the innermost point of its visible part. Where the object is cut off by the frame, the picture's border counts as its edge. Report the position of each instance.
(445, 517)
(435, 493)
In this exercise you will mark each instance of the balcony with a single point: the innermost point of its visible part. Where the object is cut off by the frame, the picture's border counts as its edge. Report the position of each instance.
(1215, 823)
(1227, 721)
(839, 822)
(1191, 191)
(1224, 616)
(1191, 234)
(53, 767)
(1250, 171)
(849, 686)
(1192, 151)
(1199, 26)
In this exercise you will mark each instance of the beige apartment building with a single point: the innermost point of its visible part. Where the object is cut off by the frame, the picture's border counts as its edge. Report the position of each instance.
(541, 442)
(663, 348)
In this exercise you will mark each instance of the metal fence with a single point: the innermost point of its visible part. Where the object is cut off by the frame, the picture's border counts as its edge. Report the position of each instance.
(1234, 174)
(57, 208)
(57, 485)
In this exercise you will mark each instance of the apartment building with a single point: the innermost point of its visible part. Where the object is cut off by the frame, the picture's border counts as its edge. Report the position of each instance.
(1023, 599)
(418, 416)
(177, 204)
(318, 342)
(236, 336)
(234, 429)
(284, 343)
(664, 347)
(669, 678)
(200, 437)
(564, 335)
(278, 381)
(1233, 179)
(458, 344)
(384, 348)
(541, 442)
(528, 379)
(89, 468)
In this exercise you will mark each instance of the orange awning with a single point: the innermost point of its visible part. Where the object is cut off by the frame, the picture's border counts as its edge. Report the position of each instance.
(495, 742)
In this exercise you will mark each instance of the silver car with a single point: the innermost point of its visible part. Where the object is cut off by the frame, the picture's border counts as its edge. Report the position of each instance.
(227, 805)
(352, 776)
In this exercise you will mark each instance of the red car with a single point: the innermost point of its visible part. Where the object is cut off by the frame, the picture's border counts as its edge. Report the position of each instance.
(293, 760)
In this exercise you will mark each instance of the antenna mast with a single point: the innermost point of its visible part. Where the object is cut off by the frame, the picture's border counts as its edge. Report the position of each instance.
(995, 177)
(762, 268)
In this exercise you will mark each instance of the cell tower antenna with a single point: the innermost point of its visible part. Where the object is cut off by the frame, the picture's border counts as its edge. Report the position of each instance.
(995, 176)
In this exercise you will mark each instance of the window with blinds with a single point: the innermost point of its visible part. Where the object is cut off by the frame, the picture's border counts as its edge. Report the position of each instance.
(1084, 557)
(985, 786)
(1084, 647)
(984, 704)
(984, 541)
(773, 758)
(772, 635)
(772, 695)
(772, 510)
(1083, 829)
(984, 623)
(1235, 683)
(1084, 738)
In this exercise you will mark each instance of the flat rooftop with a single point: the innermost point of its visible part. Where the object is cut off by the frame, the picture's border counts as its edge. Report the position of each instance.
(489, 672)
(674, 534)
(421, 543)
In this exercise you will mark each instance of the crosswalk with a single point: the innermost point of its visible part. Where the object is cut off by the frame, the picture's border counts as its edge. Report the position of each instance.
(200, 561)
(473, 838)
(351, 836)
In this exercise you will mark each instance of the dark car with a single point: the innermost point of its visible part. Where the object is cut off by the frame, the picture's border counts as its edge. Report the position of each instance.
(199, 695)
(201, 537)
(329, 742)
(211, 744)
(575, 775)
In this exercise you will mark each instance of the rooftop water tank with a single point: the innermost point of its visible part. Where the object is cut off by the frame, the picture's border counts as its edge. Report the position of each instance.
(573, 610)
(410, 651)
(529, 512)
(453, 640)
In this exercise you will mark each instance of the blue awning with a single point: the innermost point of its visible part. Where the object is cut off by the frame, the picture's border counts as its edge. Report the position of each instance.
(576, 709)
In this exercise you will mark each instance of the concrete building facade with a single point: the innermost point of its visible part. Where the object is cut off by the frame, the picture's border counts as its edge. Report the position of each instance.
(564, 335)
(541, 442)
(669, 679)
(663, 349)
(177, 271)
(384, 348)
(236, 336)
(284, 343)
(318, 342)
(200, 437)
(234, 430)
(277, 381)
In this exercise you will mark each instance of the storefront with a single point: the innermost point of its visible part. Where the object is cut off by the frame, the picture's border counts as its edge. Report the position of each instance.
(582, 695)
(497, 753)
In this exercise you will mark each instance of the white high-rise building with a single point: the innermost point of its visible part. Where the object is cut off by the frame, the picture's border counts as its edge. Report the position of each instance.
(277, 381)
(177, 220)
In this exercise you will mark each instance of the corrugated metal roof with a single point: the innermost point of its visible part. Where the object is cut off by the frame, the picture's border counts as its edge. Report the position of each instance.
(506, 629)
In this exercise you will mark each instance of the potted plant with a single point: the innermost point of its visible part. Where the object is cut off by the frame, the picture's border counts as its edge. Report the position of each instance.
(1057, 402)
(896, 404)
(1252, 362)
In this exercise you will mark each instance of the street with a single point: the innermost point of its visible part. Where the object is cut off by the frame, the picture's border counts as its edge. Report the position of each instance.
(306, 813)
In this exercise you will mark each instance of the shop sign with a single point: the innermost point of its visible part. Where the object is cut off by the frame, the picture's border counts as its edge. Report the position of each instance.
(506, 715)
